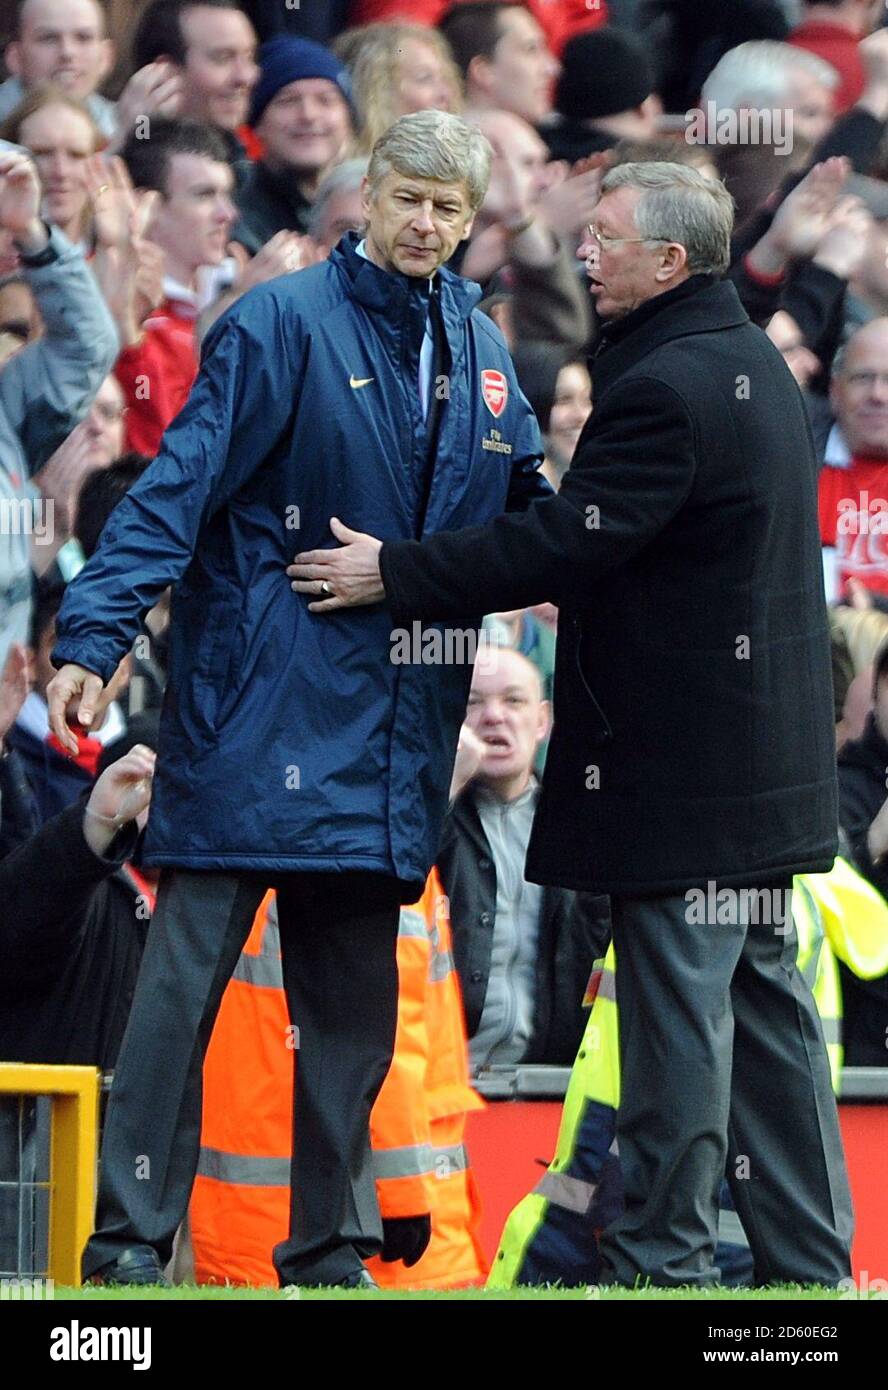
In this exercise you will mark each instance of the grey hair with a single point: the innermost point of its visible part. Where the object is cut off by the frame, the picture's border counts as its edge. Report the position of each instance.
(342, 178)
(434, 145)
(680, 204)
(841, 357)
(758, 73)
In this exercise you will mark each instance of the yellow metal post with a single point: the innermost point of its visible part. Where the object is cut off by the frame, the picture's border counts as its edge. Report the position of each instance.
(74, 1123)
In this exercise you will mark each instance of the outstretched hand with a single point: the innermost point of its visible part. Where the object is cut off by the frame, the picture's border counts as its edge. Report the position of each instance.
(341, 578)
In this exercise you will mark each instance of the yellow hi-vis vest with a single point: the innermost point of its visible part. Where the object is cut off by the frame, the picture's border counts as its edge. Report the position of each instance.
(835, 914)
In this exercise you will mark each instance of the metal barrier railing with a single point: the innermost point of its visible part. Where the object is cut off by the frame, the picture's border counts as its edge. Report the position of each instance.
(858, 1084)
(48, 1164)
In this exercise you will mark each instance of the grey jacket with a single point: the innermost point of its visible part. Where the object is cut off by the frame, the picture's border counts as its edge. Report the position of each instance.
(45, 390)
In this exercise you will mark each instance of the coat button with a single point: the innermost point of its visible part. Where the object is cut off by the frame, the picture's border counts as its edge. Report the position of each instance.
(484, 919)
(483, 863)
(476, 977)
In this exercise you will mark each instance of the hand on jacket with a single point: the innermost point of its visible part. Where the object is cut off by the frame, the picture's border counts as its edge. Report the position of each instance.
(351, 572)
(405, 1238)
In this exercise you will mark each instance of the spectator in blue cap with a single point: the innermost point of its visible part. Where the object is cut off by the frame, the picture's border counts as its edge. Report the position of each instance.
(302, 113)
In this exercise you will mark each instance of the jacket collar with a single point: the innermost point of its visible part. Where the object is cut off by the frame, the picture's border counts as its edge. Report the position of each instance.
(396, 297)
(701, 304)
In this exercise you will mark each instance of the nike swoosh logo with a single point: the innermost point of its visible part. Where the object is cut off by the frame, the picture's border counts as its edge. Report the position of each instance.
(356, 381)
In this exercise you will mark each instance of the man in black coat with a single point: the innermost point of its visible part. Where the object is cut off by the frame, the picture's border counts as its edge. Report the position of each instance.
(691, 769)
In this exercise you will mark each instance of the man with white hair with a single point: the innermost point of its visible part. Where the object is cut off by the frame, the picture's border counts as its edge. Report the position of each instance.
(691, 770)
(292, 753)
(768, 79)
(337, 209)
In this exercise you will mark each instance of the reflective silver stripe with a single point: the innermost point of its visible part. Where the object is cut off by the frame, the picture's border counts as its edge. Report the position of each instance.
(730, 1229)
(246, 1170)
(573, 1194)
(263, 970)
(607, 988)
(832, 1029)
(412, 923)
(271, 939)
(440, 966)
(417, 1160)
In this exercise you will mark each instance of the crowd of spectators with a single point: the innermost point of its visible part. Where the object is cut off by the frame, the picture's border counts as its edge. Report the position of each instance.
(233, 152)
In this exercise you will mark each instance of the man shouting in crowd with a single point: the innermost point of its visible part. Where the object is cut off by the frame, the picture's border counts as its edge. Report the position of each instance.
(296, 753)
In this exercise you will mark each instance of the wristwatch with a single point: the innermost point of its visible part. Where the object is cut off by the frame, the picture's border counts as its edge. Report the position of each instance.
(40, 258)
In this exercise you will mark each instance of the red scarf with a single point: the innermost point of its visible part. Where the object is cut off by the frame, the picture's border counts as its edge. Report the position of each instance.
(89, 750)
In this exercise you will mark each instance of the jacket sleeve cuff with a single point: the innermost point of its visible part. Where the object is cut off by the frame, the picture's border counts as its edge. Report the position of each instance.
(85, 656)
(389, 557)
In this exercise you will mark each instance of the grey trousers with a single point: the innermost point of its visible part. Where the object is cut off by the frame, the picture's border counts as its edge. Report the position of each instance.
(724, 1067)
(338, 940)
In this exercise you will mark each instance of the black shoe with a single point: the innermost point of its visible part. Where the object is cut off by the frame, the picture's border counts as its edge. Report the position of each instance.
(137, 1265)
(361, 1279)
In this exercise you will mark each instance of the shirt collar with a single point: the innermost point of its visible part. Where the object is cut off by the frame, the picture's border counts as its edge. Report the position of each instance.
(837, 454)
(489, 796)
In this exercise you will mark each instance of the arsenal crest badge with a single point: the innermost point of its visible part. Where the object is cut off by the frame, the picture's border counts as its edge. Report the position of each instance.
(495, 390)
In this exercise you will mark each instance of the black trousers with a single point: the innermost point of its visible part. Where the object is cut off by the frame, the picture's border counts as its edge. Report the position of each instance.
(338, 940)
(723, 1066)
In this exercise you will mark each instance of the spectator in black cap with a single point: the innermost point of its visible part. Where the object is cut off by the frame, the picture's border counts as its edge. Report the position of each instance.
(605, 93)
(302, 113)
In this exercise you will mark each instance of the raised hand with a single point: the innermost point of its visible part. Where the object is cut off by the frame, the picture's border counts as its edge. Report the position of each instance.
(20, 201)
(14, 686)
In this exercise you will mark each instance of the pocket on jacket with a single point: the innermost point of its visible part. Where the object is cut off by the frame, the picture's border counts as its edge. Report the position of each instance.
(212, 657)
(603, 733)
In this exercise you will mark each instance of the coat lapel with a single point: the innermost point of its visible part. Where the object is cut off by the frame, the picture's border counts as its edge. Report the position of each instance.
(708, 309)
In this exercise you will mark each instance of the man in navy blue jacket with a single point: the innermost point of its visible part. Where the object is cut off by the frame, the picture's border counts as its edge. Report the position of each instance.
(305, 754)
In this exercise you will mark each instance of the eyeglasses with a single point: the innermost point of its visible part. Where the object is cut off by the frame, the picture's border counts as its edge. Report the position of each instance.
(606, 242)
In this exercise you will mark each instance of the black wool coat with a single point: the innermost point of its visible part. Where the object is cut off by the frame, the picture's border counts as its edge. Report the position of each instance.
(72, 933)
(693, 736)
